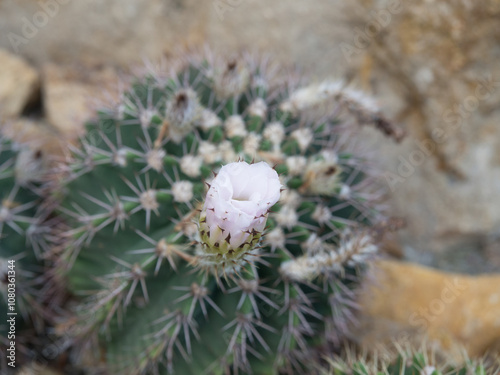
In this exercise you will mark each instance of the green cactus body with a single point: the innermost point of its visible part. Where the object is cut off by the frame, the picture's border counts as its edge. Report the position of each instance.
(425, 361)
(149, 287)
(23, 235)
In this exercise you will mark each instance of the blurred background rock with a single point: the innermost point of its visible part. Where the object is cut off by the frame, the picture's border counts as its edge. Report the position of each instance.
(432, 65)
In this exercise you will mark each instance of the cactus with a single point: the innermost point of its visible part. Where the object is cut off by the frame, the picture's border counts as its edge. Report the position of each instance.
(424, 361)
(24, 229)
(160, 283)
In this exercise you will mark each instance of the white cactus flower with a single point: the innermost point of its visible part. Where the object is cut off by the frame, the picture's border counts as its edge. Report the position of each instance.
(236, 207)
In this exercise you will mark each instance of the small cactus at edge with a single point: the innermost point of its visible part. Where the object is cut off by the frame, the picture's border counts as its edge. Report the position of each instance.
(23, 241)
(216, 220)
(427, 360)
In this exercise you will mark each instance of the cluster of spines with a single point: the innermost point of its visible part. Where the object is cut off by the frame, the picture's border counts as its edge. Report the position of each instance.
(25, 235)
(131, 196)
(403, 359)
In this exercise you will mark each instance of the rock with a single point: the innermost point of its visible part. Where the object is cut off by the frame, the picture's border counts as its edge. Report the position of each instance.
(36, 133)
(433, 66)
(18, 84)
(296, 33)
(401, 301)
(71, 94)
(116, 32)
(124, 31)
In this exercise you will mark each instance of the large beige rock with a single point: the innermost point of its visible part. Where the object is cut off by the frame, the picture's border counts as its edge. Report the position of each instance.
(18, 84)
(434, 67)
(113, 31)
(125, 31)
(401, 301)
(71, 95)
(295, 32)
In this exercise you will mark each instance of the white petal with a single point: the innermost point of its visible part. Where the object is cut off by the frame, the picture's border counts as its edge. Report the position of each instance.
(237, 204)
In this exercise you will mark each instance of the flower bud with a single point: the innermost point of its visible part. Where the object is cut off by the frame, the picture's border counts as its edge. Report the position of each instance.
(236, 207)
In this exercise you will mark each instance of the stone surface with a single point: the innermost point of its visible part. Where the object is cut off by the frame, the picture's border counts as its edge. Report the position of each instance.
(445, 89)
(36, 133)
(401, 301)
(125, 31)
(18, 84)
(72, 93)
(295, 32)
(114, 31)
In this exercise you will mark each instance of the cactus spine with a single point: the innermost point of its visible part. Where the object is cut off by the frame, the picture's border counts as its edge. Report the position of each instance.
(24, 233)
(134, 197)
